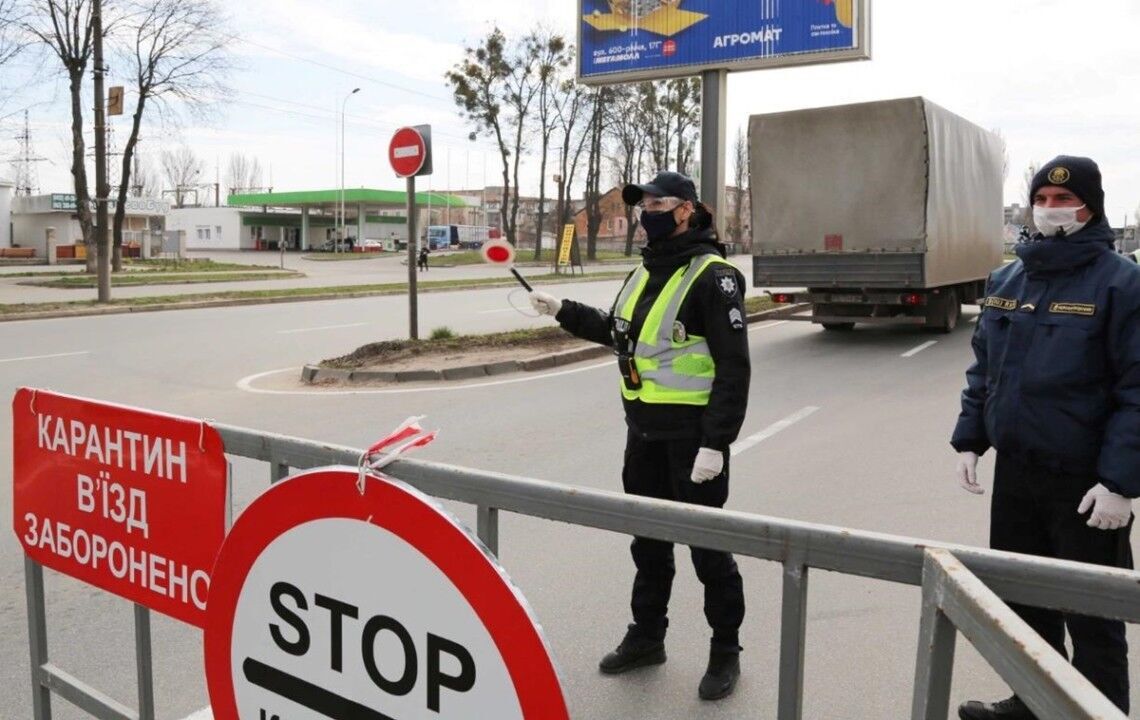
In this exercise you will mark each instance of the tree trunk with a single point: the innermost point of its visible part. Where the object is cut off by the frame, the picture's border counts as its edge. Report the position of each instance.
(124, 185)
(79, 166)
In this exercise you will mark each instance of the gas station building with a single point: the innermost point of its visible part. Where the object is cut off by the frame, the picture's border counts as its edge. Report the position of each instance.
(305, 220)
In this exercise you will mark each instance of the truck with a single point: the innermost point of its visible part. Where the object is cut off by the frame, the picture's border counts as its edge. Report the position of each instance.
(461, 237)
(885, 212)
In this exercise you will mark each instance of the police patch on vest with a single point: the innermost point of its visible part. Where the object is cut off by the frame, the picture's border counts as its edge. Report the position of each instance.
(1067, 308)
(679, 332)
(1001, 303)
(726, 281)
(736, 319)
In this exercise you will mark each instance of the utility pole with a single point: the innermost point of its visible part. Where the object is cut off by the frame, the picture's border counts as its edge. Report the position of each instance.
(103, 260)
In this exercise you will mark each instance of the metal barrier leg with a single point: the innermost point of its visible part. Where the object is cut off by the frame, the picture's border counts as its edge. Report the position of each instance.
(143, 663)
(793, 626)
(487, 527)
(37, 637)
(277, 471)
(934, 667)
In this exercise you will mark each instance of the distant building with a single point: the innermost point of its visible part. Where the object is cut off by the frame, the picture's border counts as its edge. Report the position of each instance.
(1017, 215)
(32, 215)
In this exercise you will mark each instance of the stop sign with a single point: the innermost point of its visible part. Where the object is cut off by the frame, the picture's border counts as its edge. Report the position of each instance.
(408, 152)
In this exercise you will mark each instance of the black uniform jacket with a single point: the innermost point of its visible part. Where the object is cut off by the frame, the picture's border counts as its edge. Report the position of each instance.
(713, 309)
(1056, 380)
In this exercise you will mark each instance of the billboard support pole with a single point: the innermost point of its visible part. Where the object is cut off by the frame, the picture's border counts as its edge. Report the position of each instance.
(714, 94)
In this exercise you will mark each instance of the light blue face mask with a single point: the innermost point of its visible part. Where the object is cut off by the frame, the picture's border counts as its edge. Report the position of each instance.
(1051, 221)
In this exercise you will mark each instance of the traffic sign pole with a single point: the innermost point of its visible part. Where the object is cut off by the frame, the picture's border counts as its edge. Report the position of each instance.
(413, 329)
(409, 153)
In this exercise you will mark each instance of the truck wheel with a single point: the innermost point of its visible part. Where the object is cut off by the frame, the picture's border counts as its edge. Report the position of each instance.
(838, 326)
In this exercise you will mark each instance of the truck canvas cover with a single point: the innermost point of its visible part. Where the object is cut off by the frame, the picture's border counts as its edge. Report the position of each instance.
(897, 193)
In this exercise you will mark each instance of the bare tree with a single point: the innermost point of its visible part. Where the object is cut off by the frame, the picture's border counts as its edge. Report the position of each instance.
(243, 174)
(593, 197)
(570, 105)
(629, 137)
(681, 105)
(477, 84)
(181, 169)
(65, 27)
(144, 179)
(177, 53)
(740, 177)
(551, 56)
(13, 39)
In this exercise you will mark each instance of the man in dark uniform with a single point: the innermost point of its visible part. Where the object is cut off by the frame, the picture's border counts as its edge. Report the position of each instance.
(1055, 389)
(678, 330)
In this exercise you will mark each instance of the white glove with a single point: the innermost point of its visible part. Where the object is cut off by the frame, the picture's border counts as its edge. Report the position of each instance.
(709, 464)
(544, 303)
(967, 472)
(1110, 511)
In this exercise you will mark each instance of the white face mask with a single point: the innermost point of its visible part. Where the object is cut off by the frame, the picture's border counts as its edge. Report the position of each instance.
(1050, 221)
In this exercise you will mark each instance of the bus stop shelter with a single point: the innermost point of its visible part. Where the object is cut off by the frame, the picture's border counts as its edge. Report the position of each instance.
(308, 218)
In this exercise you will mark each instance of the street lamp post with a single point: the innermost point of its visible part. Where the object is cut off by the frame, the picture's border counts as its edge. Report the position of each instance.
(340, 234)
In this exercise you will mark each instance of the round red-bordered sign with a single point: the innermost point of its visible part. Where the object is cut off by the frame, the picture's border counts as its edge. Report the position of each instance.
(407, 151)
(498, 252)
(313, 539)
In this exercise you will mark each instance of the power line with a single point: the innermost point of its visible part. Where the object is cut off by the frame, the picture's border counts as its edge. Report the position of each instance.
(350, 73)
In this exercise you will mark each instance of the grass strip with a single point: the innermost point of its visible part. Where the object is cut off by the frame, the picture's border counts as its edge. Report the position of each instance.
(152, 278)
(299, 293)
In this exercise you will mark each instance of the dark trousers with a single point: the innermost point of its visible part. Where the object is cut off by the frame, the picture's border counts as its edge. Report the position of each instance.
(1034, 511)
(661, 469)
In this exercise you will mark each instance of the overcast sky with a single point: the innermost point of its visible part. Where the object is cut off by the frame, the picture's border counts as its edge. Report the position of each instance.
(1054, 76)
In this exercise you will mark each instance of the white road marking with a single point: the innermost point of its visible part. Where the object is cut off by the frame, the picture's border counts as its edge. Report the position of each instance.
(774, 323)
(914, 351)
(44, 357)
(246, 383)
(756, 438)
(205, 713)
(323, 327)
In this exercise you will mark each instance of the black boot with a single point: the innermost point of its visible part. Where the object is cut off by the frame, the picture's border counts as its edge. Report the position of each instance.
(720, 678)
(1009, 709)
(635, 651)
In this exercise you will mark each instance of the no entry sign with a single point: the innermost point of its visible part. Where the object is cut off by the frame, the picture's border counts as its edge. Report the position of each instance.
(332, 603)
(409, 151)
(130, 501)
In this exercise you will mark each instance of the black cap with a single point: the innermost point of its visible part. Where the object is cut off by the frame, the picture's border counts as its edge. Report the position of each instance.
(666, 184)
(1080, 175)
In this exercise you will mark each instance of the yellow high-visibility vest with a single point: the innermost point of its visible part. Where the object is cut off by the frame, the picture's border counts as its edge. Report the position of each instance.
(674, 367)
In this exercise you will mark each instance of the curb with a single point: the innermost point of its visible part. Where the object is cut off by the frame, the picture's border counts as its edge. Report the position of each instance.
(313, 374)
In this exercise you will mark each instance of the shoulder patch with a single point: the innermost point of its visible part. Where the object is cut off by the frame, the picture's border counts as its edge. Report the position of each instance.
(736, 318)
(1000, 303)
(726, 281)
(1068, 308)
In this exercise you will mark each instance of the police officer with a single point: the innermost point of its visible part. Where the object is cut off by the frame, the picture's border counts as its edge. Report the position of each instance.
(1055, 390)
(678, 330)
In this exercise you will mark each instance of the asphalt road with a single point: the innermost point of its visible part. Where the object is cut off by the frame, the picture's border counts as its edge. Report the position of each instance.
(868, 450)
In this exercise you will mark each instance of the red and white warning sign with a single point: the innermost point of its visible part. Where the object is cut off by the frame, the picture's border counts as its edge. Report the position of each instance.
(130, 501)
(498, 252)
(332, 602)
(409, 151)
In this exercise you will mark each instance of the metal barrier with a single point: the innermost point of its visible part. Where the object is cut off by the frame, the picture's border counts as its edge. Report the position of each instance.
(963, 587)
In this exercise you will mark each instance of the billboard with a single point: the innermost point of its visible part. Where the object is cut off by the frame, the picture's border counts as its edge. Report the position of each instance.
(625, 40)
